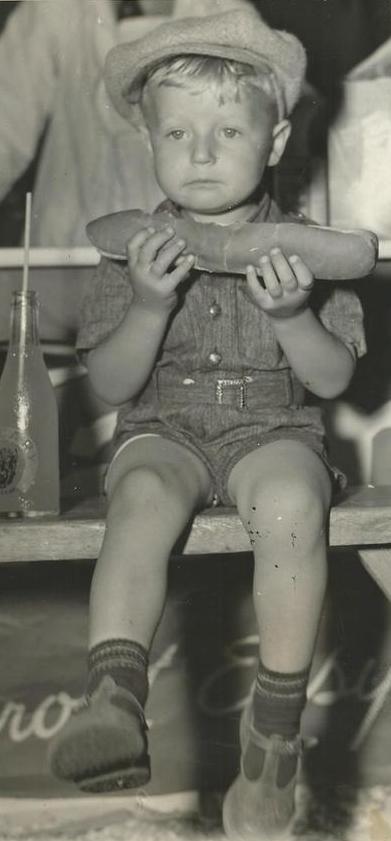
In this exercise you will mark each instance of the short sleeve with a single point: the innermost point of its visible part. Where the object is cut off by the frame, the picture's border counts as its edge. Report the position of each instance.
(104, 305)
(339, 310)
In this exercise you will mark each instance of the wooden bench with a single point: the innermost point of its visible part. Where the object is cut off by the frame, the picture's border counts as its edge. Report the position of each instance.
(360, 519)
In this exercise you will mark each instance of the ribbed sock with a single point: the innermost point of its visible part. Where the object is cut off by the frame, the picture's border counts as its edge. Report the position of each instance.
(278, 702)
(125, 661)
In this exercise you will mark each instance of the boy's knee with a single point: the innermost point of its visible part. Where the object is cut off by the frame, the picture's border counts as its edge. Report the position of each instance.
(283, 505)
(141, 485)
(146, 486)
(285, 519)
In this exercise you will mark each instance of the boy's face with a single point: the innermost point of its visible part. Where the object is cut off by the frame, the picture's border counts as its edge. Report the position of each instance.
(210, 151)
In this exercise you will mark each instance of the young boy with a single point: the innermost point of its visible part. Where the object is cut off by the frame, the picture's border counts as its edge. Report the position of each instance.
(210, 373)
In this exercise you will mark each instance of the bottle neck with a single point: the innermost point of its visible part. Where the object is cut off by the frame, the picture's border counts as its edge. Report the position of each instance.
(24, 319)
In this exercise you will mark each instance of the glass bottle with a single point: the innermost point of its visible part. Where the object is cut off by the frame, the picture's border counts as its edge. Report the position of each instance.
(29, 448)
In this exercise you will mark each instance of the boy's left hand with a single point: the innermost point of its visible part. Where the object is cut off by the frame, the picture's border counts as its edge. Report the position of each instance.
(287, 284)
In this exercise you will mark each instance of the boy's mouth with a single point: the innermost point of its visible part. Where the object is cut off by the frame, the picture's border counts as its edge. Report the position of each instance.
(203, 182)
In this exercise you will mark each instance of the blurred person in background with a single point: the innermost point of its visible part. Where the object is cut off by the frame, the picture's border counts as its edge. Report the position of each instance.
(53, 101)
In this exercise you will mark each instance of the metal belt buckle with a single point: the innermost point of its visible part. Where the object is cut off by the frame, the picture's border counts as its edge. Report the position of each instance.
(238, 383)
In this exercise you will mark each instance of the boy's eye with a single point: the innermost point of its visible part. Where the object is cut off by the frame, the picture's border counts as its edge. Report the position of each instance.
(230, 132)
(176, 133)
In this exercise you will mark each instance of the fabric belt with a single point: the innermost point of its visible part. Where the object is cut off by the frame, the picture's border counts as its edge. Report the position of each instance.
(265, 389)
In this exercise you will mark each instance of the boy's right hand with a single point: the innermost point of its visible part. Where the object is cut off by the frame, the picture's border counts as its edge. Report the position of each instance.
(151, 253)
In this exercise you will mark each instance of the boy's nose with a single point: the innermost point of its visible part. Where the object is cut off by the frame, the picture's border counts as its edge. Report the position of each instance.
(204, 150)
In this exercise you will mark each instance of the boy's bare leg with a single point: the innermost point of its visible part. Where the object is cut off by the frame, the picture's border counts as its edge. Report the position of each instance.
(283, 493)
(154, 488)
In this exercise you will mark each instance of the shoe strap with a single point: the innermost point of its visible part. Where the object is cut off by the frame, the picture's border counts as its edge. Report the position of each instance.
(120, 692)
(133, 703)
(285, 747)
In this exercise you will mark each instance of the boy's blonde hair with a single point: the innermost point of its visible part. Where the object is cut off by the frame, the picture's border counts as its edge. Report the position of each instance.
(227, 76)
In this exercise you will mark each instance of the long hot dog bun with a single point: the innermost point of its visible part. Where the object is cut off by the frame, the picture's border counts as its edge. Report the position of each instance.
(329, 253)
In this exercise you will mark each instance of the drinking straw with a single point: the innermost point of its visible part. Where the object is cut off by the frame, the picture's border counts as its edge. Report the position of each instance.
(27, 229)
(22, 418)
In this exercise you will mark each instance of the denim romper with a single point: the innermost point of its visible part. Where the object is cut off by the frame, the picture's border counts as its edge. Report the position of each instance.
(221, 385)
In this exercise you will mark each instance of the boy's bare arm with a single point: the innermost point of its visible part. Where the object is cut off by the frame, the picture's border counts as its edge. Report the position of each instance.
(323, 363)
(120, 366)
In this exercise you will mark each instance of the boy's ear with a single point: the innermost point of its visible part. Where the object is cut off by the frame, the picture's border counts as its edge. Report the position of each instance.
(281, 134)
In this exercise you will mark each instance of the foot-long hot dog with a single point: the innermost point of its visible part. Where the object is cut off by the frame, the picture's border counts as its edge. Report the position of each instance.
(329, 253)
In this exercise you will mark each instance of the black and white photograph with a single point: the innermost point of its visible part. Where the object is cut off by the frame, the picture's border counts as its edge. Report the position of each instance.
(195, 420)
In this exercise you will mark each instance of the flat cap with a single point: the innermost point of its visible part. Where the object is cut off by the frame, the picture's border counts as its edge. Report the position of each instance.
(239, 34)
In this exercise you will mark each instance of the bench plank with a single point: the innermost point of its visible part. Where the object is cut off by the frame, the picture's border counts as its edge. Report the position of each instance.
(361, 518)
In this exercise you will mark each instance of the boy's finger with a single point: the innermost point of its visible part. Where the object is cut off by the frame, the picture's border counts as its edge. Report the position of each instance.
(270, 278)
(136, 242)
(257, 291)
(167, 255)
(283, 270)
(304, 276)
(153, 244)
(180, 272)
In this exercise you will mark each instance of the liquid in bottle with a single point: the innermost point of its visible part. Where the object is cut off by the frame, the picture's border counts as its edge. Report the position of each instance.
(29, 447)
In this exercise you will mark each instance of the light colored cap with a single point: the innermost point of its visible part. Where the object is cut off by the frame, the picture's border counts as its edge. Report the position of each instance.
(238, 34)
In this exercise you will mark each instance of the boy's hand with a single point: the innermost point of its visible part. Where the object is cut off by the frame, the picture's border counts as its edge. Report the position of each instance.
(287, 284)
(150, 255)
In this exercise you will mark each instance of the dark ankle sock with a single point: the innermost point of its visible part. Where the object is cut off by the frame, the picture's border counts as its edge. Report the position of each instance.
(278, 702)
(125, 661)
